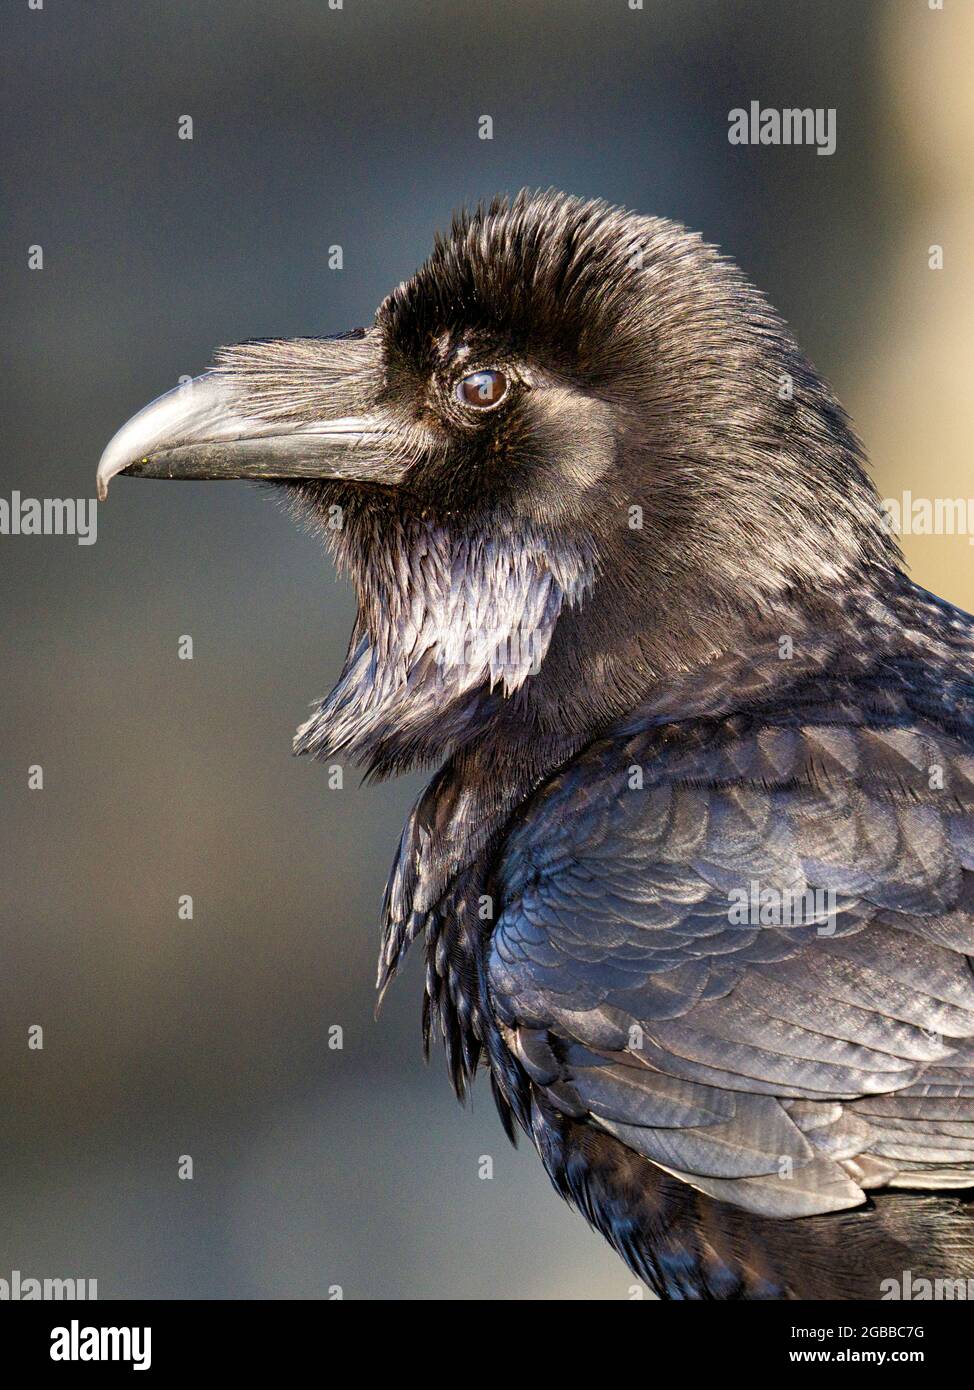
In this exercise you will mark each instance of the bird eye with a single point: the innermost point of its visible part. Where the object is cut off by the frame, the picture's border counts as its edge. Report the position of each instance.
(481, 389)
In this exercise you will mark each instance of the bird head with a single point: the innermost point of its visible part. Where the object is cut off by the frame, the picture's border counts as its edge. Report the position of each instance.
(572, 456)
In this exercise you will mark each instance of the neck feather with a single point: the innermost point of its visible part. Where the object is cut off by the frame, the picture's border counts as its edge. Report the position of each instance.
(449, 625)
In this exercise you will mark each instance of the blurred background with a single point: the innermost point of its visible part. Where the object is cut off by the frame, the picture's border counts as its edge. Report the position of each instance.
(312, 127)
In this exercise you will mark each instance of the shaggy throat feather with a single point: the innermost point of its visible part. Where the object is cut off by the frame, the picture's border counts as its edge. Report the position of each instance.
(445, 621)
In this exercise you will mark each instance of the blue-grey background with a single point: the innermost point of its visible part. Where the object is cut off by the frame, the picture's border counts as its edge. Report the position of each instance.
(359, 126)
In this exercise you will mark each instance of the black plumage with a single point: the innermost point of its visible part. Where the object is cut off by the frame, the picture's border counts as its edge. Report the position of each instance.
(694, 875)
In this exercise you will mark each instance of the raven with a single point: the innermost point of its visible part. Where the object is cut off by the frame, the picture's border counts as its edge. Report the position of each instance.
(695, 874)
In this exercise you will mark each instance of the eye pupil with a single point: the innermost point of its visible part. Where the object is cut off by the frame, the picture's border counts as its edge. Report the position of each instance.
(482, 388)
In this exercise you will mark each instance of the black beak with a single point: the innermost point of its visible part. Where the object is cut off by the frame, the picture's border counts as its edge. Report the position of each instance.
(300, 408)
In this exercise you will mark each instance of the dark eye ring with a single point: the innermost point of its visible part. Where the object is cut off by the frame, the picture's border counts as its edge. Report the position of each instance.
(482, 389)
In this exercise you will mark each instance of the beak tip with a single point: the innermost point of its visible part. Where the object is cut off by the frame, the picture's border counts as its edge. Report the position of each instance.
(107, 468)
(114, 460)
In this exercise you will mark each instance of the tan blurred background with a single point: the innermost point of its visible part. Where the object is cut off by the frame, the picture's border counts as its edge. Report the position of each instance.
(316, 1167)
